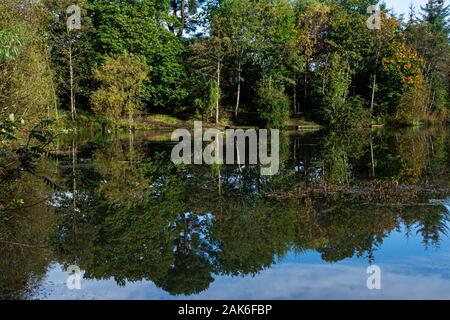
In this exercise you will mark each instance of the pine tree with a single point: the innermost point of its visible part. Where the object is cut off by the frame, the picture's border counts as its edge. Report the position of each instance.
(436, 14)
(434, 44)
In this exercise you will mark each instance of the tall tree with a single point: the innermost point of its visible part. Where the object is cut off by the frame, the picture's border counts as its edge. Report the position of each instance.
(312, 23)
(139, 27)
(429, 36)
(69, 49)
(436, 14)
(121, 79)
(241, 26)
(182, 16)
(26, 86)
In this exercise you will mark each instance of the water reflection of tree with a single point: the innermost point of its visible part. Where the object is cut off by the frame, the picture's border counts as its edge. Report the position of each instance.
(431, 222)
(343, 229)
(24, 231)
(124, 229)
(146, 219)
(415, 156)
(251, 233)
(138, 217)
(27, 184)
(150, 220)
(339, 151)
(191, 271)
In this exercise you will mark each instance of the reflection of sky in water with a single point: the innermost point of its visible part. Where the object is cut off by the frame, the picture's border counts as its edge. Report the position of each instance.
(409, 271)
(109, 237)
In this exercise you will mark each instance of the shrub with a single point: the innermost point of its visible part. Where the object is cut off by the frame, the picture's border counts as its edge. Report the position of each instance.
(349, 114)
(121, 78)
(411, 108)
(273, 106)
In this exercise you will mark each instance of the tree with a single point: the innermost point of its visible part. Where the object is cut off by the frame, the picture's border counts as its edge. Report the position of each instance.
(275, 41)
(383, 44)
(139, 27)
(121, 79)
(273, 105)
(337, 110)
(436, 14)
(26, 89)
(182, 15)
(241, 28)
(209, 53)
(312, 21)
(429, 37)
(275, 57)
(404, 84)
(69, 50)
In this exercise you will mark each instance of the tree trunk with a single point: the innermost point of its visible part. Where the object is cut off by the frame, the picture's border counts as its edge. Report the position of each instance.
(295, 97)
(74, 174)
(130, 120)
(218, 92)
(72, 93)
(372, 157)
(374, 84)
(183, 18)
(306, 88)
(55, 97)
(175, 11)
(238, 96)
(372, 101)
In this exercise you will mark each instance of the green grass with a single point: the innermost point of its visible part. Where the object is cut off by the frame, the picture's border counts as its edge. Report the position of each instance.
(164, 118)
(300, 121)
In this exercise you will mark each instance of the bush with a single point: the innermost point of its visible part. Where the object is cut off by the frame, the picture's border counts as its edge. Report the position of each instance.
(411, 108)
(120, 78)
(350, 114)
(273, 106)
(440, 97)
(338, 109)
(26, 84)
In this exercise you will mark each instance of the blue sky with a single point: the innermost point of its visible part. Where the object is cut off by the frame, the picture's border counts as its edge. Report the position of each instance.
(402, 6)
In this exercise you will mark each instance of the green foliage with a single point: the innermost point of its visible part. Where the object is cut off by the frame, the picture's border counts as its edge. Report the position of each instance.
(440, 97)
(429, 37)
(436, 13)
(11, 43)
(7, 129)
(65, 49)
(139, 28)
(26, 90)
(22, 152)
(411, 105)
(275, 44)
(121, 79)
(340, 110)
(12, 33)
(320, 55)
(273, 106)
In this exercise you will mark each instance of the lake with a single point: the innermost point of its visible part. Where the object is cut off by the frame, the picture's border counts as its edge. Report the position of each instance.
(139, 227)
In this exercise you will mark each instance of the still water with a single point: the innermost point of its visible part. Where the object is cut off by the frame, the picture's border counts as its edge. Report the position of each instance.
(140, 227)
